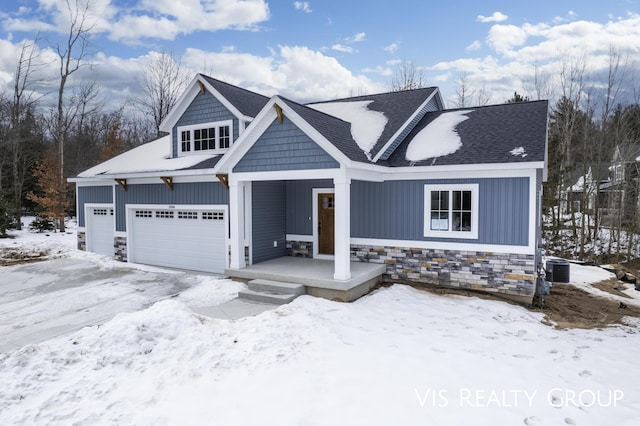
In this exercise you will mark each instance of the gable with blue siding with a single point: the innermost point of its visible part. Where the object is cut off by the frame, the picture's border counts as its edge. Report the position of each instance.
(285, 147)
(204, 108)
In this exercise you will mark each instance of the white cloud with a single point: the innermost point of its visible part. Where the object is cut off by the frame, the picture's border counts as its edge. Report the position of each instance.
(342, 48)
(303, 6)
(477, 44)
(148, 19)
(296, 72)
(495, 17)
(357, 38)
(502, 38)
(165, 19)
(518, 50)
(392, 48)
(383, 71)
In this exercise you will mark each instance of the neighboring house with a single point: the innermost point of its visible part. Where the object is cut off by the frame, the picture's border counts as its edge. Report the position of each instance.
(588, 192)
(612, 188)
(623, 201)
(449, 197)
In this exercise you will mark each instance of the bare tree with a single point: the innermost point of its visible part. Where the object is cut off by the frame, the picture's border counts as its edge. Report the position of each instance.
(163, 80)
(72, 54)
(407, 76)
(23, 100)
(464, 92)
(539, 84)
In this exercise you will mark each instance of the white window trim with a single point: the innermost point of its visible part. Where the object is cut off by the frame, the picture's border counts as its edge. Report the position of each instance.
(216, 125)
(475, 192)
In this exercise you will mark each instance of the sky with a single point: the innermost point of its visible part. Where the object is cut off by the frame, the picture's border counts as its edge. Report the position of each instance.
(320, 50)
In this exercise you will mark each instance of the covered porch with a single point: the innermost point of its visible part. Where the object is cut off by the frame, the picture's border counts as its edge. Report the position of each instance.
(317, 275)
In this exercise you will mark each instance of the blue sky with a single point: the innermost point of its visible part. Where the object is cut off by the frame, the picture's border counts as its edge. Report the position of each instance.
(332, 48)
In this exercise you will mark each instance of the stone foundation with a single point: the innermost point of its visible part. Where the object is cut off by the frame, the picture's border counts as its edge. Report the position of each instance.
(300, 249)
(82, 240)
(507, 274)
(120, 248)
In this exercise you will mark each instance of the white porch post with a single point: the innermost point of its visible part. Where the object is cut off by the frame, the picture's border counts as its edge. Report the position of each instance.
(342, 240)
(236, 221)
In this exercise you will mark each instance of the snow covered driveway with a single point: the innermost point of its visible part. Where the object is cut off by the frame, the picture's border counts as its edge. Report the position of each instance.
(41, 300)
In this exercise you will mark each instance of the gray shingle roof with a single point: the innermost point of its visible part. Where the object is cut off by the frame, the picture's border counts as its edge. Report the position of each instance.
(396, 106)
(248, 103)
(489, 135)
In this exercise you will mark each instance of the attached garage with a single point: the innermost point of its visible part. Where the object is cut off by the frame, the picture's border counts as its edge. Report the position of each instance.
(100, 228)
(185, 237)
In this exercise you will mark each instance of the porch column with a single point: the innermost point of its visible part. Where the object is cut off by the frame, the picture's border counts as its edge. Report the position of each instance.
(236, 222)
(342, 240)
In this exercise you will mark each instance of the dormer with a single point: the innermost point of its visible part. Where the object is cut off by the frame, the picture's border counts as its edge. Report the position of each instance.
(209, 117)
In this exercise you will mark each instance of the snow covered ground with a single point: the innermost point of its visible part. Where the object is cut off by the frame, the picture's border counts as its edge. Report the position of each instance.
(397, 356)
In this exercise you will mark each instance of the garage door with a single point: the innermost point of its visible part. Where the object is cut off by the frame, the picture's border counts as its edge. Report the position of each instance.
(187, 238)
(100, 227)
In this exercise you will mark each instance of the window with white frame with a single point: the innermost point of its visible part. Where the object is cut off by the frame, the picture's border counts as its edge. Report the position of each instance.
(205, 137)
(451, 211)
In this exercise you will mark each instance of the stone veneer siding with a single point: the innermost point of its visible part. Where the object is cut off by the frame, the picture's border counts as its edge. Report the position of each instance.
(82, 240)
(492, 272)
(120, 248)
(300, 249)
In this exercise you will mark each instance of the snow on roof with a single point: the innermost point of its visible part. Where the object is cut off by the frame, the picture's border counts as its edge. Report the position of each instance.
(518, 152)
(438, 138)
(366, 125)
(153, 156)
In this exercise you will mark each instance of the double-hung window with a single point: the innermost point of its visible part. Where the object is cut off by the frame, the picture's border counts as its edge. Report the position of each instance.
(207, 137)
(451, 211)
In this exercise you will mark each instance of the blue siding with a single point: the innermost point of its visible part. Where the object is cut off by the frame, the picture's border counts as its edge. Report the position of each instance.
(284, 147)
(183, 193)
(205, 108)
(269, 222)
(431, 106)
(395, 210)
(92, 194)
(300, 204)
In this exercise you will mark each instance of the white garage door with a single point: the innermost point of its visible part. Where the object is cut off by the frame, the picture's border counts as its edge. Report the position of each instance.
(186, 238)
(100, 227)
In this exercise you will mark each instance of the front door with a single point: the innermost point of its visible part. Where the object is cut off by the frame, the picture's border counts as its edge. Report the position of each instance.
(326, 203)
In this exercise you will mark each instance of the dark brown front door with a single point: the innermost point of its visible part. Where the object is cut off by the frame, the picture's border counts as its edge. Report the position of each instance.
(325, 223)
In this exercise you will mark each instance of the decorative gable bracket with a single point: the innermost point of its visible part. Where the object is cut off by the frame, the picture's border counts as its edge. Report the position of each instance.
(122, 183)
(168, 180)
(224, 180)
(279, 112)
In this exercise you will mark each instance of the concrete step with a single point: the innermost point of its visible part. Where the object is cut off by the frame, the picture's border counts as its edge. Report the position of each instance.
(269, 286)
(266, 297)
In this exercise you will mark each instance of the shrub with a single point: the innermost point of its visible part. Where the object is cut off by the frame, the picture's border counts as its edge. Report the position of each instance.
(42, 224)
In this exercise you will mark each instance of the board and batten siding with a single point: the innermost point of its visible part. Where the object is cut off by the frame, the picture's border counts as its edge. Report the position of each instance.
(300, 204)
(284, 147)
(269, 220)
(183, 193)
(395, 210)
(204, 108)
(92, 194)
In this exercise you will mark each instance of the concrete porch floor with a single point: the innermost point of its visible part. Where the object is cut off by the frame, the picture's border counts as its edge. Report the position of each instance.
(316, 275)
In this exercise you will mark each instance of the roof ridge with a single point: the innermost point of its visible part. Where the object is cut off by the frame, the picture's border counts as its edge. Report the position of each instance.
(208, 77)
(369, 96)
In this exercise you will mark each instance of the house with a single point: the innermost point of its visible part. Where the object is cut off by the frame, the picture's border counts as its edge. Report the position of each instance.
(391, 181)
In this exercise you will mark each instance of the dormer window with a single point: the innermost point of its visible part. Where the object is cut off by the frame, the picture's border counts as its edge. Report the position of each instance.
(205, 137)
